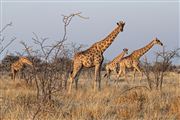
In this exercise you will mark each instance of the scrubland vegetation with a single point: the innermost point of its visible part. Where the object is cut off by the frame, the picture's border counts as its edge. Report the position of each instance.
(40, 92)
(119, 100)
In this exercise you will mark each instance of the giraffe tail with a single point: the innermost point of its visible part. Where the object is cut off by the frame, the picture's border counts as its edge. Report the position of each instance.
(71, 70)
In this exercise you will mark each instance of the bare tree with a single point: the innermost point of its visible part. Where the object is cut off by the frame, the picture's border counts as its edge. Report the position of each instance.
(50, 70)
(51, 73)
(161, 65)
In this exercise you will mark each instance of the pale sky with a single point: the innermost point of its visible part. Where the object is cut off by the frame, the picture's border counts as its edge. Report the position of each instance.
(144, 21)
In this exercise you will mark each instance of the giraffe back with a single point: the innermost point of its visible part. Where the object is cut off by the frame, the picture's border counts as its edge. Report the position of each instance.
(127, 61)
(19, 64)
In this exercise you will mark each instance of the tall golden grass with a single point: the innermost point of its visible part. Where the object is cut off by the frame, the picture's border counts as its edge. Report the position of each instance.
(114, 102)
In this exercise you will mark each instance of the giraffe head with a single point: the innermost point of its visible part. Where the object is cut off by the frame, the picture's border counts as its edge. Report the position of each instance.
(157, 41)
(121, 25)
(125, 50)
(25, 60)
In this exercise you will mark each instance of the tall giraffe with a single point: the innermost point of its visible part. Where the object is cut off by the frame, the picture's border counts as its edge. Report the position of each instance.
(93, 57)
(17, 66)
(132, 60)
(112, 65)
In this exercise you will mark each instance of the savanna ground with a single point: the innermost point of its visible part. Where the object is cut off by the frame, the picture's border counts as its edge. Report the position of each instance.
(118, 101)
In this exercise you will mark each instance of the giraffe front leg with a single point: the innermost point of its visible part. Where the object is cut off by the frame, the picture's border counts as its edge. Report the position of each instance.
(97, 76)
(72, 77)
(120, 71)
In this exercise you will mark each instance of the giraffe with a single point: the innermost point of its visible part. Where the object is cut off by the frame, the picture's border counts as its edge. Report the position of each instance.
(17, 66)
(112, 65)
(93, 57)
(132, 60)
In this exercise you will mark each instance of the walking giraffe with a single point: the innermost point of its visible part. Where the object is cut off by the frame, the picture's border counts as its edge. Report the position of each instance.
(113, 65)
(132, 60)
(17, 66)
(93, 57)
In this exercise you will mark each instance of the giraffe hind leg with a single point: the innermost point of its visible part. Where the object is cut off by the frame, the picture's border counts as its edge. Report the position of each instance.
(134, 74)
(107, 75)
(76, 79)
(138, 69)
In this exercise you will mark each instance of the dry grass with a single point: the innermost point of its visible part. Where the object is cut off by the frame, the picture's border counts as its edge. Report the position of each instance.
(18, 101)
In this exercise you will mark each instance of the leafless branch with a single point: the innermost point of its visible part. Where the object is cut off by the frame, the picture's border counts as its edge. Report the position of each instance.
(2, 38)
(7, 25)
(9, 43)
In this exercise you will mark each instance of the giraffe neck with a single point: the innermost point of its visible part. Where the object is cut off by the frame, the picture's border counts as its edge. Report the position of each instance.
(140, 52)
(119, 57)
(106, 42)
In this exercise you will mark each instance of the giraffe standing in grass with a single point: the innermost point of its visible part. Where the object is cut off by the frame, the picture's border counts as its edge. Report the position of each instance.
(17, 66)
(93, 57)
(132, 60)
(113, 65)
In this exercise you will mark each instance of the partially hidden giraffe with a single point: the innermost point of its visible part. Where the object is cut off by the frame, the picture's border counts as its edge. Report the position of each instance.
(17, 66)
(93, 57)
(113, 65)
(132, 60)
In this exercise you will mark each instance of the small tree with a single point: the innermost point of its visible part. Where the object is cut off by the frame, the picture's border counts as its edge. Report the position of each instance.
(161, 65)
